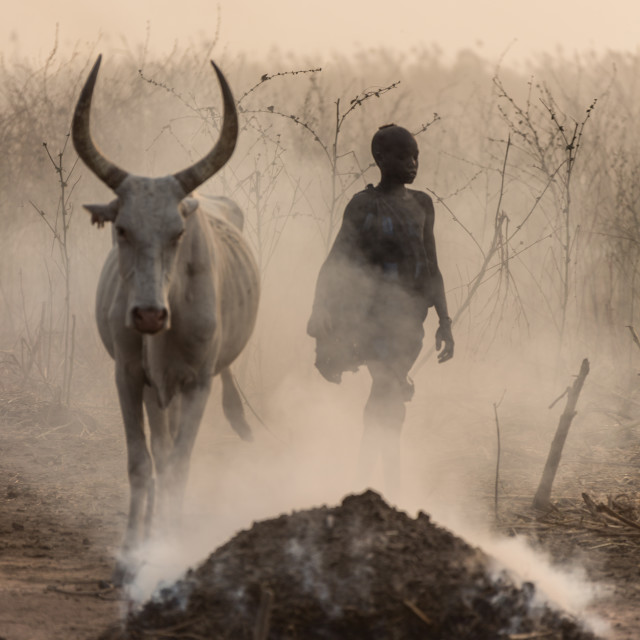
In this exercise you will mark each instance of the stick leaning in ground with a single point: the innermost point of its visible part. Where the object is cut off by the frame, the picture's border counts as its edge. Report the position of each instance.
(542, 499)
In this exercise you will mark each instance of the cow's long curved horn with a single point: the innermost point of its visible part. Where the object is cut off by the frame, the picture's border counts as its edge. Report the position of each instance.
(202, 170)
(108, 172)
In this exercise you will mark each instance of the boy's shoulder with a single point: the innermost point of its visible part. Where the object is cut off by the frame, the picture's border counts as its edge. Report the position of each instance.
(361, 203)
(421, 197)
(366, 195)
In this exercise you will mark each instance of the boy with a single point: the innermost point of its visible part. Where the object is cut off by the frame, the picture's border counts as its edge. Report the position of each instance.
(373, 293)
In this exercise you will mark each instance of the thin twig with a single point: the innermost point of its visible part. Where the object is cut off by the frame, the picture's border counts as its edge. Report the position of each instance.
(634, 335)
(495, 412)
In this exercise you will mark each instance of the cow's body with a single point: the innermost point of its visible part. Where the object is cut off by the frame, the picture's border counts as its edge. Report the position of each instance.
(176, 304)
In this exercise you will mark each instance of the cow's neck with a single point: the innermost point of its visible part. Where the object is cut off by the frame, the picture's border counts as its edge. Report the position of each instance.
(185, 355)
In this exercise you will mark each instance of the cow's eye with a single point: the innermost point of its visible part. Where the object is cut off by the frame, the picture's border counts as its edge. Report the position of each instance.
(121, 234)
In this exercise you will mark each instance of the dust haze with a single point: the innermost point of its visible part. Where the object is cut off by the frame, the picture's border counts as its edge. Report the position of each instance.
(538, 255)
(321, 29)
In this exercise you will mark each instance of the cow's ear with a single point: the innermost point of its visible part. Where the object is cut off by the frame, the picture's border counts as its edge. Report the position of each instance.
(188, 205)
(101, 213)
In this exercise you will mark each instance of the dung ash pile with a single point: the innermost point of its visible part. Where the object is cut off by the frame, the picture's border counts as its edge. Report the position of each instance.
(362, 570)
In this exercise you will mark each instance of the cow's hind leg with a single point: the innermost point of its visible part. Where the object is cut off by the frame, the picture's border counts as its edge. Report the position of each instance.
(233, 407)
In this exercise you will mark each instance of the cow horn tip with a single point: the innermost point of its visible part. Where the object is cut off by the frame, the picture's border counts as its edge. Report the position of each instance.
(94, 70)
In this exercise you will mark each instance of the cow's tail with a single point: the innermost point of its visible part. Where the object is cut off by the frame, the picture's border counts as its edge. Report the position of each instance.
(233, 407)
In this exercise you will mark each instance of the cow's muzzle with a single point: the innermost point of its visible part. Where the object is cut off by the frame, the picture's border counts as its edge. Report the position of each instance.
(150, 319)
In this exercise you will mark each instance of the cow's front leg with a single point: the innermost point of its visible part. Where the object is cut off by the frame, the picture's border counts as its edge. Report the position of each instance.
(130, 385)
(192, 404)
(162, 423)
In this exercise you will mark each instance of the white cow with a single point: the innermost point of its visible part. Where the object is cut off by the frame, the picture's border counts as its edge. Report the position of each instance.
(176, 304)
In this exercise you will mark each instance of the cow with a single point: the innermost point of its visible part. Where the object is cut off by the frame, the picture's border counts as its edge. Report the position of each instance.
(176, 303)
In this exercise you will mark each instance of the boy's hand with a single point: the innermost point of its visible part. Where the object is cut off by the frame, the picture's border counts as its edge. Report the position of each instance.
(443, 334)
(320, 324)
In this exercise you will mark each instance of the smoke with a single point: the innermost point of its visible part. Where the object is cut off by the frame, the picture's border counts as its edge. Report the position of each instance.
(158, 564)
(568, 589)
(309, 563)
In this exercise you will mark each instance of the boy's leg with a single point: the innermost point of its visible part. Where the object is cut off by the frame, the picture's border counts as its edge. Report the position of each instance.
(383, 418)
(393, 348)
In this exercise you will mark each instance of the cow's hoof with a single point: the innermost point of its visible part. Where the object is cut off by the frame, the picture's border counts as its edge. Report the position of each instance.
(123, 574)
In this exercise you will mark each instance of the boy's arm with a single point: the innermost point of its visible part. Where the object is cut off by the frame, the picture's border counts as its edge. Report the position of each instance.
(439, 298)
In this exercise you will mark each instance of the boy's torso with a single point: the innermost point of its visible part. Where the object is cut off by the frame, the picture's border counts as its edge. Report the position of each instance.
(391, 235)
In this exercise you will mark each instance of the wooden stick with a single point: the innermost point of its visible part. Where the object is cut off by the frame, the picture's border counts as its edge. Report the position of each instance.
(542, 499)
(614, 514)
(530, 636)
(263, 621)
(419, 612)
(591, 505)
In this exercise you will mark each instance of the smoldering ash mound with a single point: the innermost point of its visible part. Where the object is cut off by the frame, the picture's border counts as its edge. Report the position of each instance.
(361, 570)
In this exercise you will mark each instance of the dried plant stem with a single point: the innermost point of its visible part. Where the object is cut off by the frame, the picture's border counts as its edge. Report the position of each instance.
(498, 454)
(59, 227)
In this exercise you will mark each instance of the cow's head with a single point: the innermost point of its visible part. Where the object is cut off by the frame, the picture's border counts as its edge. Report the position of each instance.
(149, 213)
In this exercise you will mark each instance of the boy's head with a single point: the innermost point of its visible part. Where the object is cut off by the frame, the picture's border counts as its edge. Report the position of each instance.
(395, 151)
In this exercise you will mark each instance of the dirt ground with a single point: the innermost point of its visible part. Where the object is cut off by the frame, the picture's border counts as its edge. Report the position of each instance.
(56, 553)
(64, 495)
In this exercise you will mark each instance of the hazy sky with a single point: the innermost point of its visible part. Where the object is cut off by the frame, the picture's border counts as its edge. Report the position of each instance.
(311, 26)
